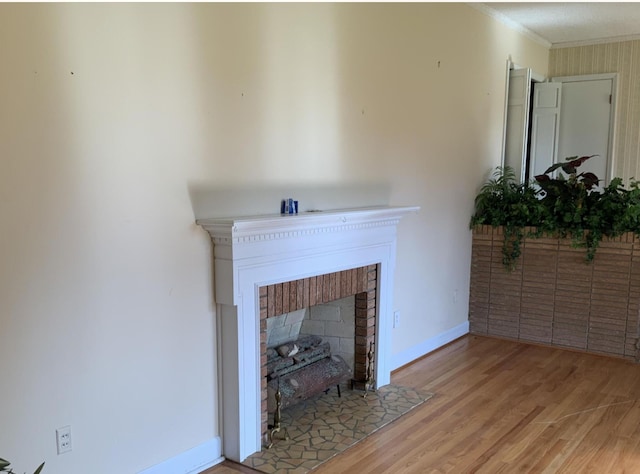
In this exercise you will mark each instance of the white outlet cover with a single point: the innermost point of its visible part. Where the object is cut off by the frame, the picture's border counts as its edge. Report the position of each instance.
(63, 439)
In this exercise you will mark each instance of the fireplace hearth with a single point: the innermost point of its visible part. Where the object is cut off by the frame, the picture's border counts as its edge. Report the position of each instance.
(252, 256)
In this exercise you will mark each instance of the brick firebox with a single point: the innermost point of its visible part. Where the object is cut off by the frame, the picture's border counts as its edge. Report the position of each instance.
(294, 295)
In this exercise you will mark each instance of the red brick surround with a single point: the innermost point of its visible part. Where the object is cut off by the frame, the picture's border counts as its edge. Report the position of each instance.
(294, 295)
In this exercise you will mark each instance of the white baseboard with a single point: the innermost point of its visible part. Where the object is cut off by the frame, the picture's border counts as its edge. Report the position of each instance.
(415, 352)
(193, 461)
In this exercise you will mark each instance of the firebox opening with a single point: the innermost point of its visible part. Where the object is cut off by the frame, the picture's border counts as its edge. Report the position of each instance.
(334, 322)
(310, 351)
(315, 334)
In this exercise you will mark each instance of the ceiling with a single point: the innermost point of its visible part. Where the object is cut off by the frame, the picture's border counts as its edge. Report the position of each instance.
(570, 24)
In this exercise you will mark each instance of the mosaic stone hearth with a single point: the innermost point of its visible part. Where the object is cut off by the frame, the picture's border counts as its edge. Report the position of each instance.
(325, 425)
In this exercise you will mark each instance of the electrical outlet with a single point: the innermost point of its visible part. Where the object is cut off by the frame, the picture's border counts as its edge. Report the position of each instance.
(396, 319)
(63, 439)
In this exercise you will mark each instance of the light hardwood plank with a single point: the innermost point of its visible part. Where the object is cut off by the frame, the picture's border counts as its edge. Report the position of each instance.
(504, 406)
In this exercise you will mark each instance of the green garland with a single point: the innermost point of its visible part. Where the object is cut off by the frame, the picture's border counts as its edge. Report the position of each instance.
(566, 206)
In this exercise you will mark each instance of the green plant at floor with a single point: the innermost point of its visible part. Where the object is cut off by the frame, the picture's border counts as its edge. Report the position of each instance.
(4, 467)
(567, 206)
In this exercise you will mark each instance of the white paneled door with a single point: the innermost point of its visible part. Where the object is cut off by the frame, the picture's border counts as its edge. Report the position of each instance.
(545, 126)
(574, 116)
(517, 126)
(586, 123)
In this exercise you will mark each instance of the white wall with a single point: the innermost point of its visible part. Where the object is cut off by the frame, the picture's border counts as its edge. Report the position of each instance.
(120, 124)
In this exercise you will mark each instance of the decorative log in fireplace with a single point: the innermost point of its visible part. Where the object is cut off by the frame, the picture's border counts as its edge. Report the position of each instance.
(303, 368)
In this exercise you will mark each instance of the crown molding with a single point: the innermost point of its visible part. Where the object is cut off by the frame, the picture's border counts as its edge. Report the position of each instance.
(496, 15)
(613, 39)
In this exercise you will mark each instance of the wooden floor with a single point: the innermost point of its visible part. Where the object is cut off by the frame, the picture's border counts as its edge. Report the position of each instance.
(505, 407)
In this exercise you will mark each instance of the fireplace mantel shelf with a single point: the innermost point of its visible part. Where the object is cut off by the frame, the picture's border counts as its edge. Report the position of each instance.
(287, 224)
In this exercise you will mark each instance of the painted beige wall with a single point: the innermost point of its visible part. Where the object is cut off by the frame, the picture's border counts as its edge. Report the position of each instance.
(116, 119)
(623, 58)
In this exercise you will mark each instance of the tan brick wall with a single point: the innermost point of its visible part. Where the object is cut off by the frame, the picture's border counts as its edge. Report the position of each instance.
(554, 297)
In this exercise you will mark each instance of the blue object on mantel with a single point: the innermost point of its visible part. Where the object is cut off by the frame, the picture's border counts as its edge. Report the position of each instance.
(289, 206)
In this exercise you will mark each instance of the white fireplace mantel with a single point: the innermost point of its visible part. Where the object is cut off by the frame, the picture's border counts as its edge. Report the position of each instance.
(250, 252)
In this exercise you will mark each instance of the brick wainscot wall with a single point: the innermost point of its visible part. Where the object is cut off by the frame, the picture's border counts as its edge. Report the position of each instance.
(554, 296)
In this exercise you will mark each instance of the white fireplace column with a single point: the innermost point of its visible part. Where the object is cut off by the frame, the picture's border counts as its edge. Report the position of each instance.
(250, 252)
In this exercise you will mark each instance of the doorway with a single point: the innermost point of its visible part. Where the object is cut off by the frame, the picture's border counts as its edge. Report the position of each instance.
(549, 121)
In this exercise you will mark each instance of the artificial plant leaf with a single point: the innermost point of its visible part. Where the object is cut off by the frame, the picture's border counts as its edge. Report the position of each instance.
(574, 163)
(616, 183)
(4, 463)
(553, 167)
(589, 179)
(578, 161)
(542, 177)
(37, 471)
